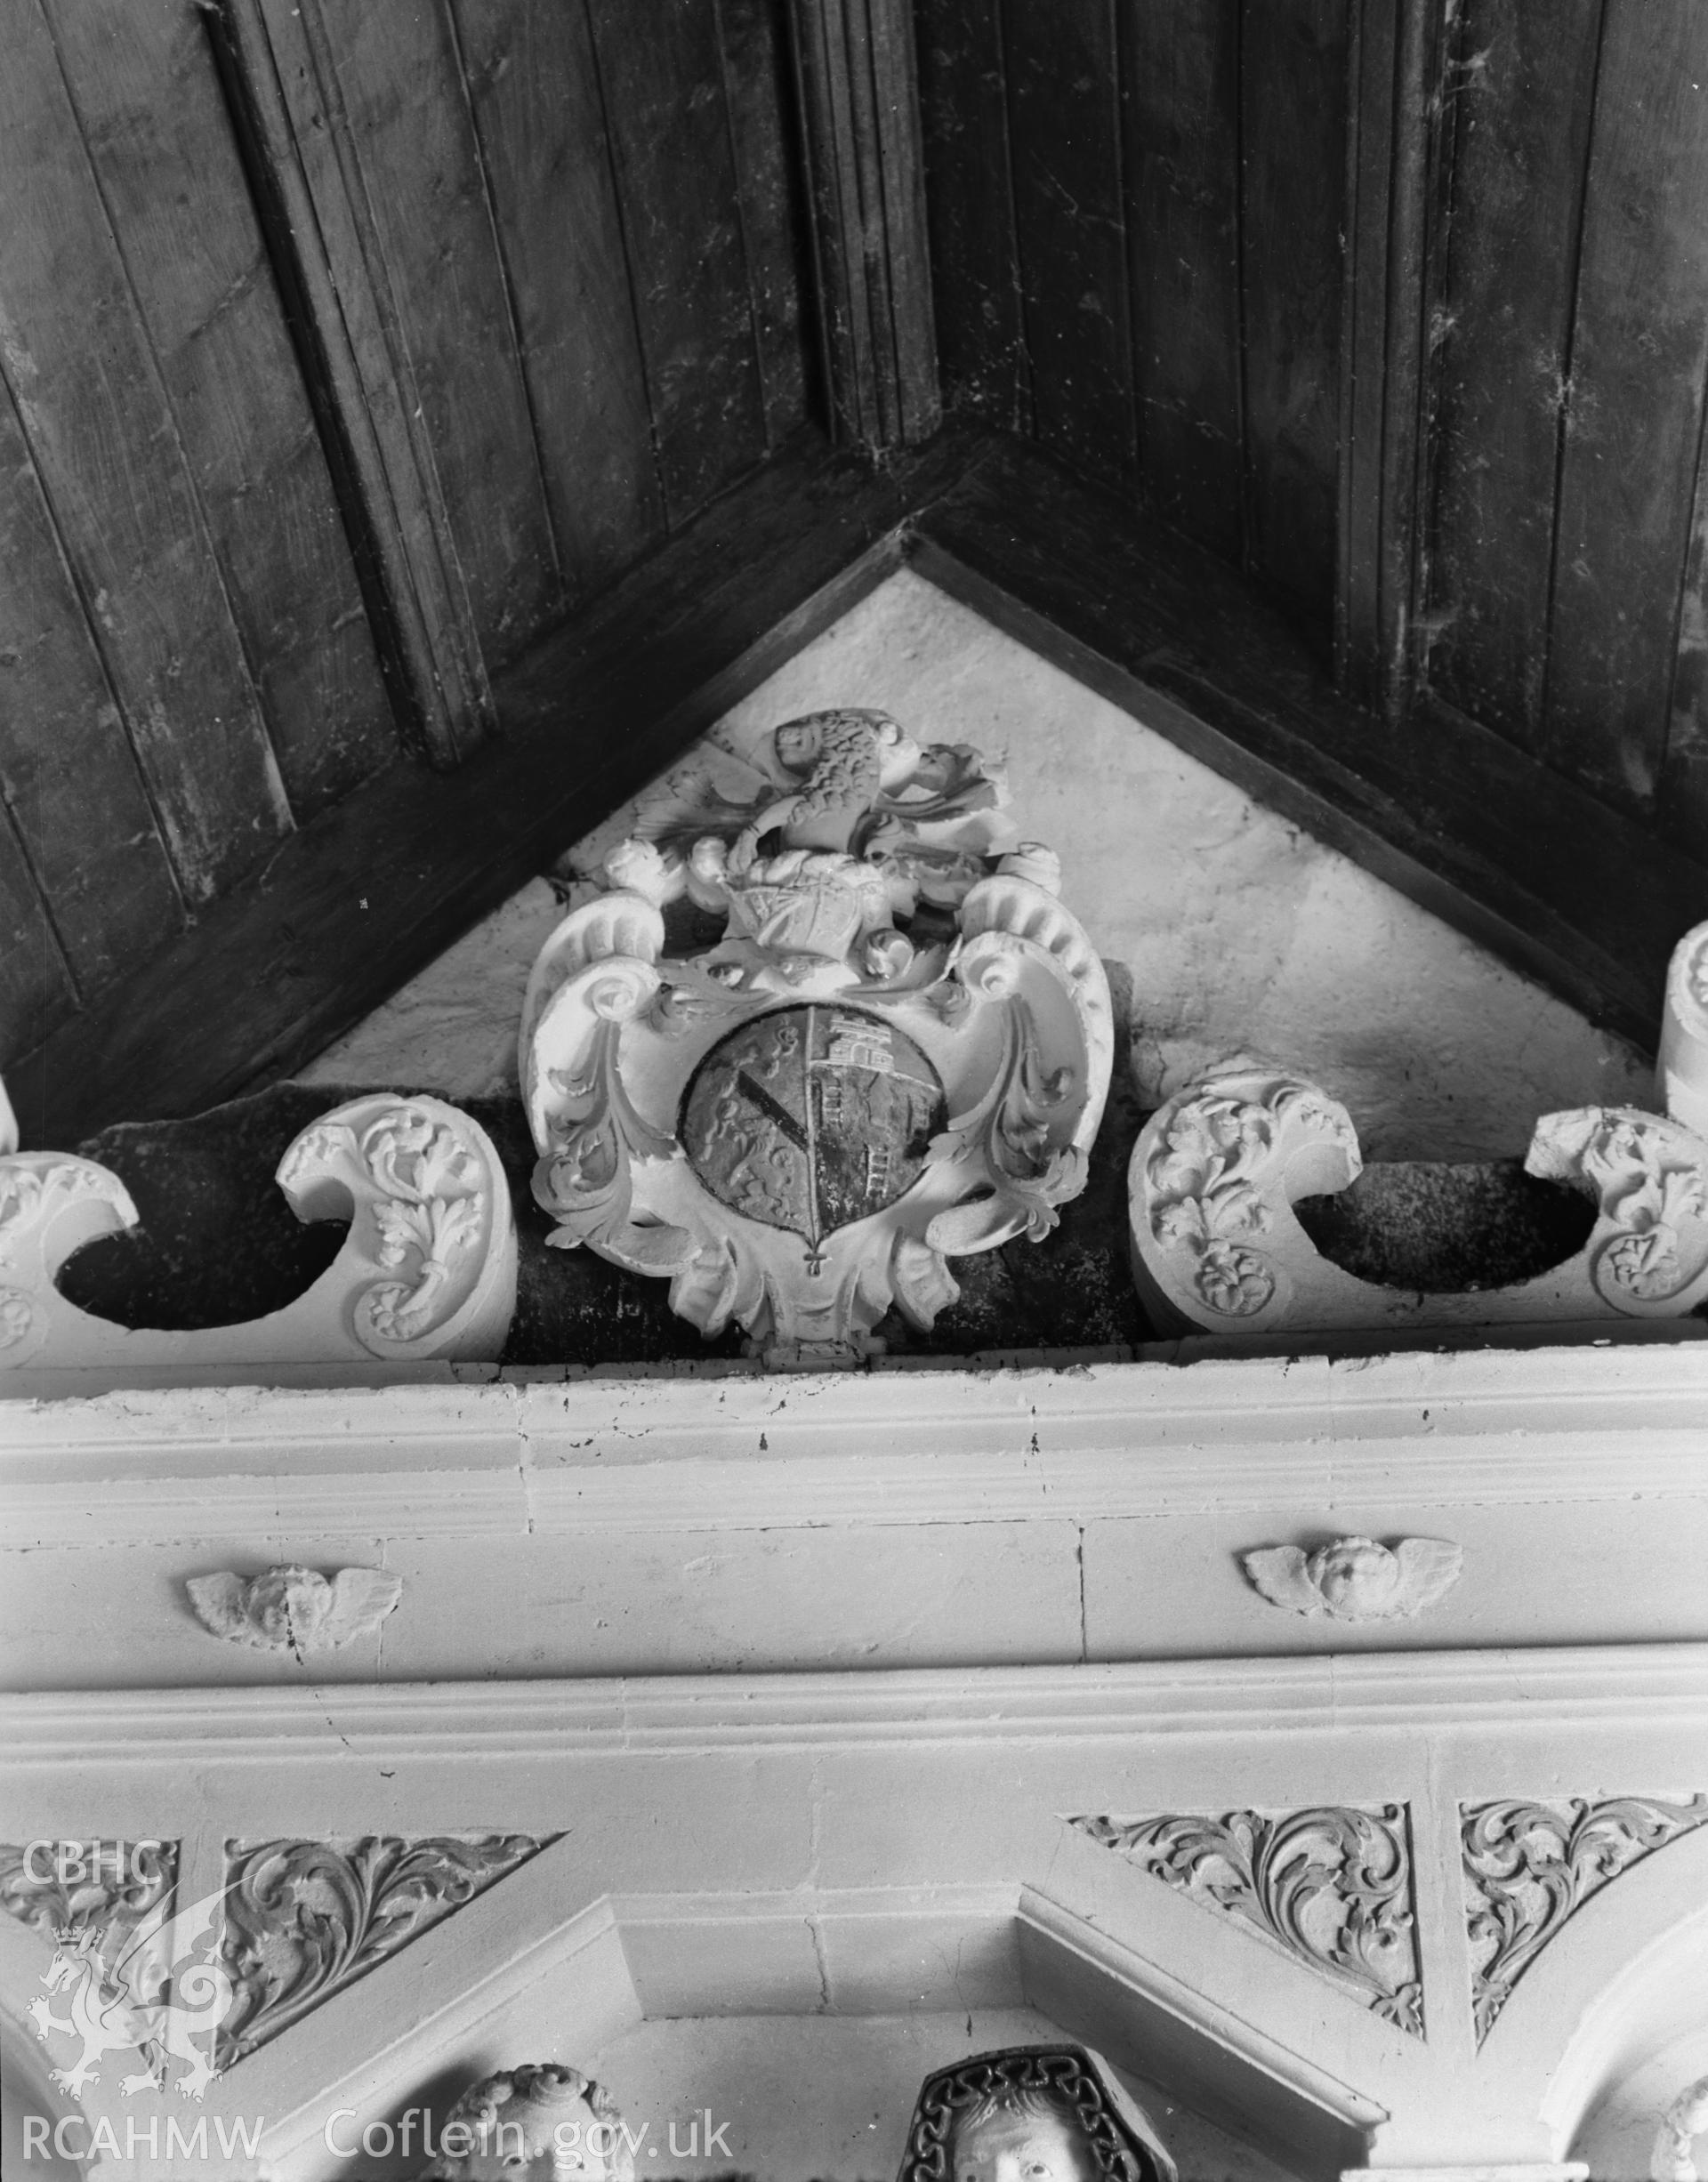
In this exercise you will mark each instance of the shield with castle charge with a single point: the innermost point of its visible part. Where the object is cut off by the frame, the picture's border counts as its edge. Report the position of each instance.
(810, 1118)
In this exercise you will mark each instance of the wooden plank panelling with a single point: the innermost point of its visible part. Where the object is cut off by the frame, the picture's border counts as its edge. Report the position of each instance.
(1519, 84)
(1294, 63)
(1064, 119)
(1684, 788)
(1633, 422)
(1461, 820)
(759, 85)
(102, 433)
(1181, 105)
(970, 211)
(397, 102)
(35, 990)
(534, 91)
(67, 771)
(663, 80)
(308, 190)
(859, 112)
(373, 891)
(1458, 818)
(158, 132)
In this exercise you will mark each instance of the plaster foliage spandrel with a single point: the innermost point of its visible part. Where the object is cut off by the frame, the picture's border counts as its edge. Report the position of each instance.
(305, 1919)
(1331, 1886)
(133, 1974)
(426, 1272)
(895, 1051)
(1529, 1866)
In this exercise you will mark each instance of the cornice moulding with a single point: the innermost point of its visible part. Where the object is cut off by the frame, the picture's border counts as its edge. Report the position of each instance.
(245, 1464)
(1662, 1687)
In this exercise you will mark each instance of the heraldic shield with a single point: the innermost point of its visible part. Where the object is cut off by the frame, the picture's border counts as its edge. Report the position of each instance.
(897, 1051)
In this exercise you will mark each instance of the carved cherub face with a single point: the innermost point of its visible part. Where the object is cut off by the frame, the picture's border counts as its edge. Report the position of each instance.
(537, 2125)
(285, 1602)
(1032, 2141)
(798, 745)
(1354, 1573)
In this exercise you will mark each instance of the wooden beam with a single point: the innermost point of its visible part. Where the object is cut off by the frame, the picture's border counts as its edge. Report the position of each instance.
(859, 85)
(1394, 173)
(358, 902)
(302, 163)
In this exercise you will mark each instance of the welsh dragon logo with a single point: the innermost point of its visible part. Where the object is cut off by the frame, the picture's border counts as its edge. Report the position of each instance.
(163, 1995)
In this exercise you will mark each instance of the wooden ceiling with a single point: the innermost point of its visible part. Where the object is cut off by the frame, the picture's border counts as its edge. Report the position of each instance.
(393, 385)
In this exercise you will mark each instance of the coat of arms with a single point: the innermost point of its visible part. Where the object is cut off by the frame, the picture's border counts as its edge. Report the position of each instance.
(896, 1051)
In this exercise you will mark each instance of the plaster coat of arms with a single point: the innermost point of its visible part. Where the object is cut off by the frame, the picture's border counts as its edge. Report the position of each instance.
(897, 1052)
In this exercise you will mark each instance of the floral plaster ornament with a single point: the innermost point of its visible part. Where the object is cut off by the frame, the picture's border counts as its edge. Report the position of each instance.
(897, 1052)
(1356, 1579)
(294, 1609)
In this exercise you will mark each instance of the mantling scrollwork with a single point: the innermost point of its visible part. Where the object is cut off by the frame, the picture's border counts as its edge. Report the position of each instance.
(305, 1919)
(1331, 1885)
(1528, 1866)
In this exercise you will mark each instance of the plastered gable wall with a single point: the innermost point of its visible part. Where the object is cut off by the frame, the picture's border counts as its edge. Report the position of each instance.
(1240, 933)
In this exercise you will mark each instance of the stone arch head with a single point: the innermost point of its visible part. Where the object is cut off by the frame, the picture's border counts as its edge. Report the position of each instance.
(1052, 2113)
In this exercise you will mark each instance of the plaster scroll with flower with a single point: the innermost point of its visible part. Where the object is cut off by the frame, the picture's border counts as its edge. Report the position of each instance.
(896, 1051)
(427, 1271)
(1217, 1246)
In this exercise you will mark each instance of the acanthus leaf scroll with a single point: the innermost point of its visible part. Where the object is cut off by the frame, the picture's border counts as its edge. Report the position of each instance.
(305, 1919)
(427, 1270)
(1530, 1865)
(1330, 1885)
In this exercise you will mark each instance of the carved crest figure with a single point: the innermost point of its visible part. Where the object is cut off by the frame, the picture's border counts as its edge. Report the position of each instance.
(1356, 1579)
(539, 2123)
(1031, 2113)
(897, 1052)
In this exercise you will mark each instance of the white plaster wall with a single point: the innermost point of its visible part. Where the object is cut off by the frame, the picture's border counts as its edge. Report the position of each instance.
(1241, 933)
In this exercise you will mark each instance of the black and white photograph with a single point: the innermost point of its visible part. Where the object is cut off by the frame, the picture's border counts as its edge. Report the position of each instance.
(854, 1090)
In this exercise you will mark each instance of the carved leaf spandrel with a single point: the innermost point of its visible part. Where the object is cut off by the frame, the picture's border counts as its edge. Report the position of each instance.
(109, 1903)
(1528, 1866)
(305, 1919)
(1331, 1885)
